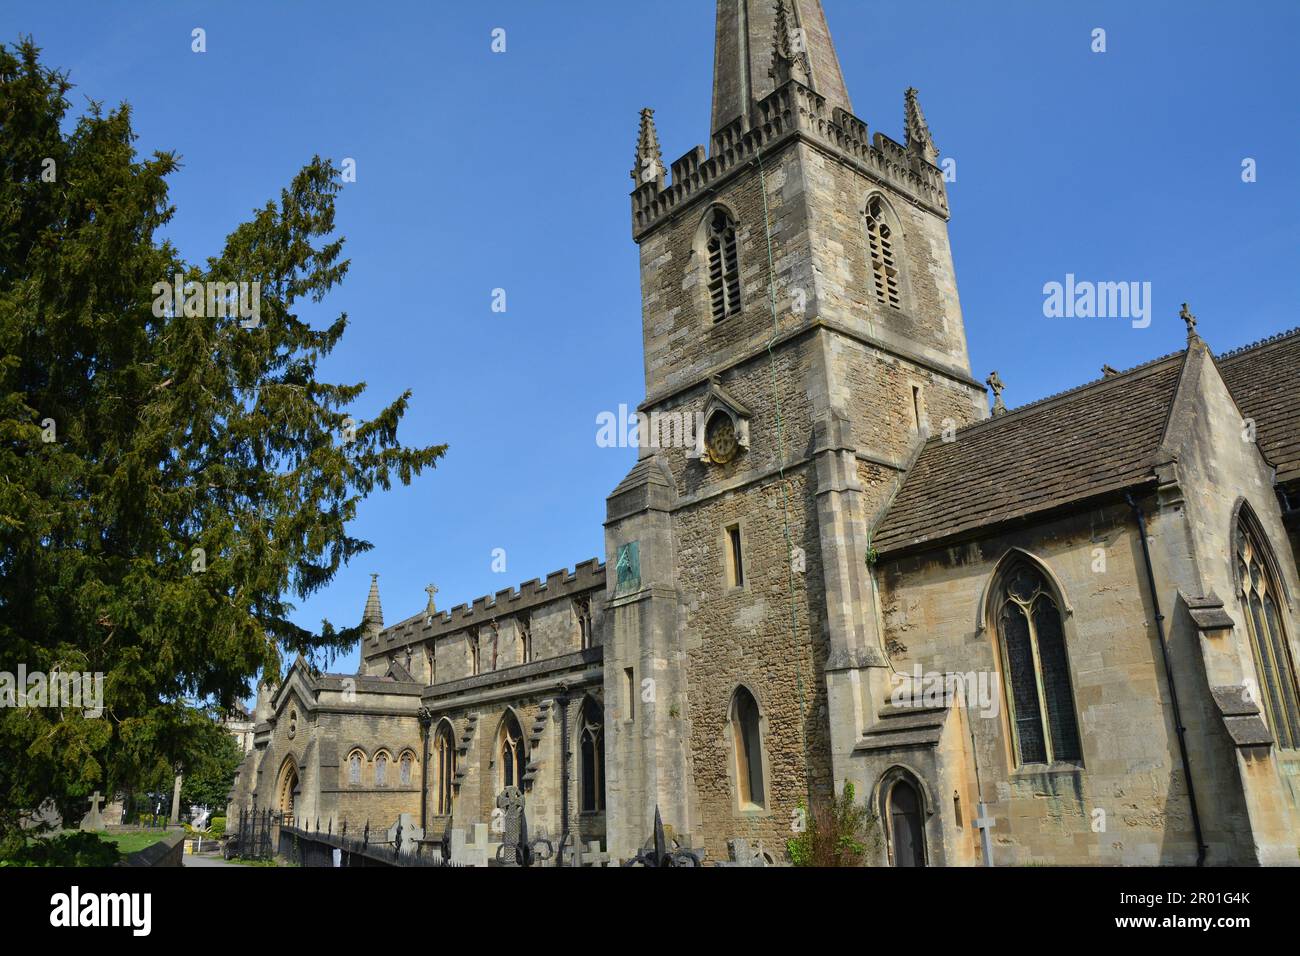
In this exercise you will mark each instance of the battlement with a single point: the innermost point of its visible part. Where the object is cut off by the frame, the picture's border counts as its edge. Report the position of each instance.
(585, 576)
(792, 110)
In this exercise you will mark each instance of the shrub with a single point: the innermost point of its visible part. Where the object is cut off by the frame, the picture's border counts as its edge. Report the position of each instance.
(838, 832)
(218, 827)
(67, 849)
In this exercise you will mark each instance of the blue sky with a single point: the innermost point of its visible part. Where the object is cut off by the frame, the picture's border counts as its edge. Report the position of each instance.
(478, 171)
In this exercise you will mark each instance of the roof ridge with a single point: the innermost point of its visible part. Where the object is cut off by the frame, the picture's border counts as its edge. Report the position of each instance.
(1267, 340)
(1047, 399)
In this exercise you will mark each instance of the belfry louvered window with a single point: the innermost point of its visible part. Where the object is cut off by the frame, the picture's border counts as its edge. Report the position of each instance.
(1263, 611)
(884, 255)
(1036, 670)
(724, 266)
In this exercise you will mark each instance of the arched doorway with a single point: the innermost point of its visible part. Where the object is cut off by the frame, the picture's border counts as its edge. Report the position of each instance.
(288, 786)
(904, 819)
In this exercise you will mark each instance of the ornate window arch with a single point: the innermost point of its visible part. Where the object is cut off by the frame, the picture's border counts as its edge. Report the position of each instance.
(356, 760)
(721, 249)
(382, 760)
(884, 251)
(1264, 607)
(745, 719)
(511, 753)
(405, 763)
(1025, 609)
(591, 757)
(444, 762)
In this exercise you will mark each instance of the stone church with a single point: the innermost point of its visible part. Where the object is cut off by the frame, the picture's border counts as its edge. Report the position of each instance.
(1064, 633)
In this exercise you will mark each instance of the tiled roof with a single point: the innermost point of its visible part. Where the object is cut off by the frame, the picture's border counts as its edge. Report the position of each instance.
(1094, 439)
(1264, 378)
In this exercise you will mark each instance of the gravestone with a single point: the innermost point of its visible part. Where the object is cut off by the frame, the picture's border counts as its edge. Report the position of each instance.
(742, 854)
(407, 832)
(93, 820)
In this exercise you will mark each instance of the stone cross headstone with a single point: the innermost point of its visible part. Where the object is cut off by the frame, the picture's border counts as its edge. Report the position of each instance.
(510, 802)
(93, 820)
(407, 832)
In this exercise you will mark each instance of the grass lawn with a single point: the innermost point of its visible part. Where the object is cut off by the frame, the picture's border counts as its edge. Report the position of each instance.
(133, 841)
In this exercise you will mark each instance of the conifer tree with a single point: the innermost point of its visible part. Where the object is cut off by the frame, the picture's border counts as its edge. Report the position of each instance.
(171, 480)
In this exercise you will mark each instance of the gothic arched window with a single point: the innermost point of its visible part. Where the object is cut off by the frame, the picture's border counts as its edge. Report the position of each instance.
(404, 768)
(1040, 703)
(582, 611)
(381, 770)
(511, 752)
(747, 741)
(591, 756)
(882, 245)
(354, 767)
(525, 638)
(444, 755)
(1263, 606)
(724, 265)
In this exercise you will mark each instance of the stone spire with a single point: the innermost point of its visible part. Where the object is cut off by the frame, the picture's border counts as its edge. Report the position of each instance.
(751, 38)
(373, 619)
(648, 167)
(918, 138)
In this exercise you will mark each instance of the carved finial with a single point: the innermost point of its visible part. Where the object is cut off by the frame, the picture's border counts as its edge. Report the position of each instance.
(1186, 316)
(995, 383)
(1108, 372)
(373, 619)
(649, 164)
(916, 131)
(789, 52)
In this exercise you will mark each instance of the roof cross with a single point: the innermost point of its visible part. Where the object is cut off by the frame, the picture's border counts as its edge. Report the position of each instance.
(1190, 319)
(995, 383)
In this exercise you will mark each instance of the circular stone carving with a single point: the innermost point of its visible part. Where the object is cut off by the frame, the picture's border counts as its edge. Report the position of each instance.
(720, 439)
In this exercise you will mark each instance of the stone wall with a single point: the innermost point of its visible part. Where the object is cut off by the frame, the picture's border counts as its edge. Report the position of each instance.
(933, 619)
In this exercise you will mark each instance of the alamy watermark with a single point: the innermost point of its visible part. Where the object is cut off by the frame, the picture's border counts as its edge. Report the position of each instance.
(213, 300)
(1084, 299)
(923, 688)
(654, 430)
(60, 689)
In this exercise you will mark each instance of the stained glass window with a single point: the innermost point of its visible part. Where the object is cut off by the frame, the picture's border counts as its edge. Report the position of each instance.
(1036, 669)
(1264, 622)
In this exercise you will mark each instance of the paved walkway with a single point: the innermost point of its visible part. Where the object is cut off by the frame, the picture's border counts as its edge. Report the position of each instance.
(203, 859)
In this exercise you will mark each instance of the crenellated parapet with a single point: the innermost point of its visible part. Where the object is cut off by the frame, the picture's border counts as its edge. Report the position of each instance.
(586, 576)
(792, 111)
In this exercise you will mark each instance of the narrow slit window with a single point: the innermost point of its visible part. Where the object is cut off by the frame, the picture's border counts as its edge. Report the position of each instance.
(735, 558)
(629, 693)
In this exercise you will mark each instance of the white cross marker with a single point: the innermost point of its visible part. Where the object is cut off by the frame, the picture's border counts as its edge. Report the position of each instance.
(985, 823)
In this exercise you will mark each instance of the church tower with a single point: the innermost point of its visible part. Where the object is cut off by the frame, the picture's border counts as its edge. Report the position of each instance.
(802, 336)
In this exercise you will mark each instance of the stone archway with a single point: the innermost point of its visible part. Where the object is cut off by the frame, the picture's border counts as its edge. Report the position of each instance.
(284, 793)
